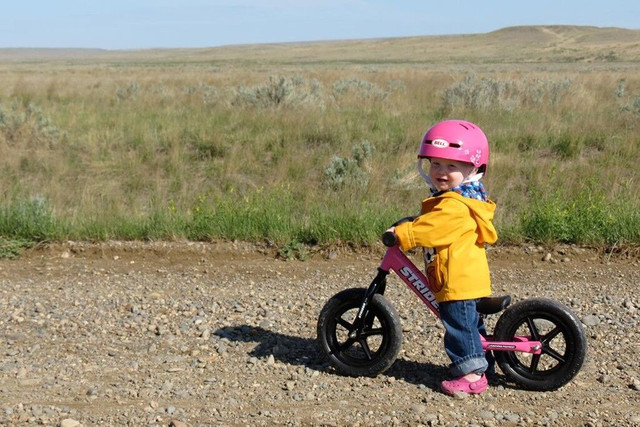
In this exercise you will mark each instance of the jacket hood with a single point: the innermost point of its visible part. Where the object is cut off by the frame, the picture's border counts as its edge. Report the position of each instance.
(482, 212)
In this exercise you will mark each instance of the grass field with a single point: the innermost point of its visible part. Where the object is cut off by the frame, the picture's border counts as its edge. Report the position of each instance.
(315, 143)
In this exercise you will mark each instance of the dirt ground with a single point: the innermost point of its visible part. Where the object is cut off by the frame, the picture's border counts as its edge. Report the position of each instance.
(224, 334)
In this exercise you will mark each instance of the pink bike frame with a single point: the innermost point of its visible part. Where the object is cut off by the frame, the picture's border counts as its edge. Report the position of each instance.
(396, 260)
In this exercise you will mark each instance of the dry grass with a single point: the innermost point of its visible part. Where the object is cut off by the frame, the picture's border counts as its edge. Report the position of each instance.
(125, 134)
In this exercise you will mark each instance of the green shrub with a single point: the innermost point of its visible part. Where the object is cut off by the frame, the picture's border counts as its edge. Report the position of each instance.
(506, 95)
(359, 88)
(280, 92)
(30, 220)
(129, 92)
(293, 250)
(13, 248)
(632, 107)
(565, 146)
(349, 171)
(27, 125)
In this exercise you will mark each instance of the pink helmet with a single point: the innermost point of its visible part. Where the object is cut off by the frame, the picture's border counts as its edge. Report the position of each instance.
(456, 140)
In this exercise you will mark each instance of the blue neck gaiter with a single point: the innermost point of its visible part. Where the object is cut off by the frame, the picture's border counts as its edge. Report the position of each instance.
(472, 190)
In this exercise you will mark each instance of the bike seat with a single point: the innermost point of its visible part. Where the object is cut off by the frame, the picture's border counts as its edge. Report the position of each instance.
(491, 305)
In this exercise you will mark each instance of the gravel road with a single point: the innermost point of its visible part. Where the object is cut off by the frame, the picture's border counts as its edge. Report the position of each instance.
(189, 334)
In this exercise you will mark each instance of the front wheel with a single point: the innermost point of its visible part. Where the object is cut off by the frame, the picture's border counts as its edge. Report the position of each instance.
(367, 351)
(564, 345)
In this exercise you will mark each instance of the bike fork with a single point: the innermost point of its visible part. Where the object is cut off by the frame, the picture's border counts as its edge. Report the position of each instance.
(377, 286)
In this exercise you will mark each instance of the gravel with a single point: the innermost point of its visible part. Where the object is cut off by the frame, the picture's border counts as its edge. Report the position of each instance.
(188, 334)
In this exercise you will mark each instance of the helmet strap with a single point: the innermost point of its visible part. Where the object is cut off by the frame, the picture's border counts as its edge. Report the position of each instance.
(473, 178)
(426, 177)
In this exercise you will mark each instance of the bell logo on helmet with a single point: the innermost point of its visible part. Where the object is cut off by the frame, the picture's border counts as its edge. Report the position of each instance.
(440, 143)
(443, 143)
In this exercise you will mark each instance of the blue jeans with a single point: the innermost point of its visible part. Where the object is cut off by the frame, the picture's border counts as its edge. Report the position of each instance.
(463, 327)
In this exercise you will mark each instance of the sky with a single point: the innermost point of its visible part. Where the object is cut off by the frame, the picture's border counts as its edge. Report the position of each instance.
(141, 24)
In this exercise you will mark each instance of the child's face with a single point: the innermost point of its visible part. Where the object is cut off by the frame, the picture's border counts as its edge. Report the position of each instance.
(446, 174)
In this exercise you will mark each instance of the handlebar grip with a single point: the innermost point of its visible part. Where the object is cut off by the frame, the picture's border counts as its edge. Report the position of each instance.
(389, 239)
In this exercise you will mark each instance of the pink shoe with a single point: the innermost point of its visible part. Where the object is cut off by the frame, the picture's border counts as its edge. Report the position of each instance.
(460, 385)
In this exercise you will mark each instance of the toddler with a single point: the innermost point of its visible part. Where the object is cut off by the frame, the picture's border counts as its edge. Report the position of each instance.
(453, 227)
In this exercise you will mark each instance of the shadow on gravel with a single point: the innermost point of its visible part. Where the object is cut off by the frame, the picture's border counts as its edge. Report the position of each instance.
(284, 348)
(305, 352)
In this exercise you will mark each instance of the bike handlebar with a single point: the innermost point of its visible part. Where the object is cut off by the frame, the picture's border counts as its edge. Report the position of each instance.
(389, 239)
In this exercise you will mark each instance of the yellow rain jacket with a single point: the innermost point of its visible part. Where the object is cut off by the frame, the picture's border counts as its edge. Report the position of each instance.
(457, 228)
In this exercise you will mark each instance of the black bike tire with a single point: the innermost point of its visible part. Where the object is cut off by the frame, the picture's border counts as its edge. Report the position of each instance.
(568, 325)
(381, 308)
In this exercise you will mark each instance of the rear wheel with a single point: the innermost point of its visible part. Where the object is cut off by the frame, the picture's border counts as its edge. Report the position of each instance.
(564, 345)
(368, 351)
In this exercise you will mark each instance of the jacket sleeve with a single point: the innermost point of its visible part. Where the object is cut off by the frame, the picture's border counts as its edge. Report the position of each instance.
(443, 224)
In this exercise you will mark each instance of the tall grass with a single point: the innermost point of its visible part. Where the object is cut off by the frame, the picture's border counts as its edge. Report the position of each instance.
(586, 217)
(318, 155)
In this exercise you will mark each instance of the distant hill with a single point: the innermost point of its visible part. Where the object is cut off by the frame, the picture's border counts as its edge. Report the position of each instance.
(543, 44)
(27, 54)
